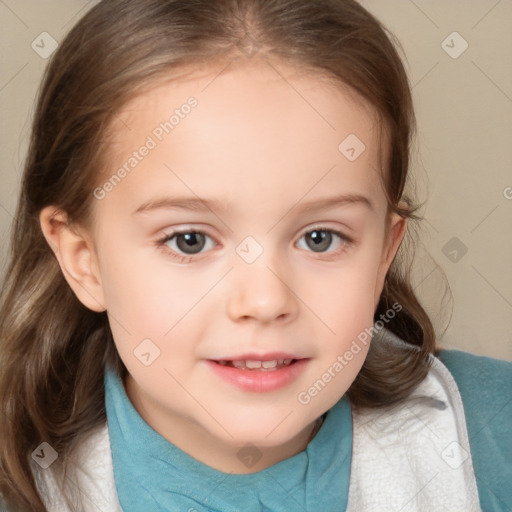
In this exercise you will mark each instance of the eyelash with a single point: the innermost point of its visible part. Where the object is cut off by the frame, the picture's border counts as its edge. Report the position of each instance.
(188, 258)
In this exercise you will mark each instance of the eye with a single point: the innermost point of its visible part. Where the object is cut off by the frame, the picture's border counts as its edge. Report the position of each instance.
(320, 239)
(181, 244)
(185, 243)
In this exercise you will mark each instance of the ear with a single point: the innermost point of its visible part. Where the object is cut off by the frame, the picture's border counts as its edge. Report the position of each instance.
(74, 251)
(394, 237)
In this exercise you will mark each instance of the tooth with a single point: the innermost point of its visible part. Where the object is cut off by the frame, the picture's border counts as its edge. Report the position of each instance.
(257, 365)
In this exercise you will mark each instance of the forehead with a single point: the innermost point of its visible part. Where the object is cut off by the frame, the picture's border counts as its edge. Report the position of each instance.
(252, 131)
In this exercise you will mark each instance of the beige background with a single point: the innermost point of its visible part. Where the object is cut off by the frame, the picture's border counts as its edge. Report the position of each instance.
(462, 162)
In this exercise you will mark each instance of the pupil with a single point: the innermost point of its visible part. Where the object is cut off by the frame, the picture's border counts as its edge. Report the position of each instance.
(190, 239)
(322, 240)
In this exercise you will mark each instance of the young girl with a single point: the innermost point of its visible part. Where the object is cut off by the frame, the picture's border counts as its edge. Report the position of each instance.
(284, 365)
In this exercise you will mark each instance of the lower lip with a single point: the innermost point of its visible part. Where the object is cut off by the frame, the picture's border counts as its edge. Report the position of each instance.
(259, 381)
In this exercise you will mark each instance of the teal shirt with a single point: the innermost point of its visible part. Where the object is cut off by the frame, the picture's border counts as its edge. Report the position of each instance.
(153, 474)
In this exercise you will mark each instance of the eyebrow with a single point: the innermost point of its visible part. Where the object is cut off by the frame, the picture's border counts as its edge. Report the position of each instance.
(331, 202)
(203, 205)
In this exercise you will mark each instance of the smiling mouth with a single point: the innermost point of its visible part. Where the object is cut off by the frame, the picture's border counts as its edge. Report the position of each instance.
(255, 365)
(260, 373)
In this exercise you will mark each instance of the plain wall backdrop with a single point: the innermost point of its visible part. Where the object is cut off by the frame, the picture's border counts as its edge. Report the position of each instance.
(458, 54)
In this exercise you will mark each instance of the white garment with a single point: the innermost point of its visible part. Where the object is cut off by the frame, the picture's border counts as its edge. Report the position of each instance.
(90, 484)
(414, 457)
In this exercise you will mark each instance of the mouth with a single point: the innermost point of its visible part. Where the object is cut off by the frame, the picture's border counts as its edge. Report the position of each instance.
(260, 373)
(257, 365)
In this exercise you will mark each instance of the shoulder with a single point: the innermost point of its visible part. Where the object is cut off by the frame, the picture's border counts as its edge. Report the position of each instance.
(472, 367)
(485, 386)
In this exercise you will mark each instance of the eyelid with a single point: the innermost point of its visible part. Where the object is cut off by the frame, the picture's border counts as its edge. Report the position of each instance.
(322, 227)
(166, 236)
(169, 233)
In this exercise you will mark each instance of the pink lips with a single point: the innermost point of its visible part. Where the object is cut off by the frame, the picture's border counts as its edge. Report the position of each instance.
(259, 373)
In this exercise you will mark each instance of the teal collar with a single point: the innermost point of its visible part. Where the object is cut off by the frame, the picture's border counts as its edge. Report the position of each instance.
(153, 474)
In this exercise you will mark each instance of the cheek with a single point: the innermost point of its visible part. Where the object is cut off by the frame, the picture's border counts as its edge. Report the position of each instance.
(149, 298)
(344, 301)
(141, 301)
(348, 291)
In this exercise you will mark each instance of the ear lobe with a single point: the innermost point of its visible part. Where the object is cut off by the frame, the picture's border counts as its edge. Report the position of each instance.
(76, 257)
(395, 236)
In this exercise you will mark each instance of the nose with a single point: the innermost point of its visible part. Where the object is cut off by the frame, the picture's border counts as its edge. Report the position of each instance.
(259, 292)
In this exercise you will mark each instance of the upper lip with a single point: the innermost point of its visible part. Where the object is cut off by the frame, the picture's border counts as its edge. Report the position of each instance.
(271, 356)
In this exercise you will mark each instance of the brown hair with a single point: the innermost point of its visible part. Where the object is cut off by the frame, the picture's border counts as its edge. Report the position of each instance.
(53, 350)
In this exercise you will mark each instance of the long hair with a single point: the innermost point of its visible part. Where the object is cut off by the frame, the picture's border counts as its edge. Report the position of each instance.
(53, 350)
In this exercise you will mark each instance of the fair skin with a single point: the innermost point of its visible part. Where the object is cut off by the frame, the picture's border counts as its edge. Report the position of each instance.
(253, 143)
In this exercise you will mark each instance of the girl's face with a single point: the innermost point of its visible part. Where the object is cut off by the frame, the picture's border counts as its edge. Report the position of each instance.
(271, 179)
